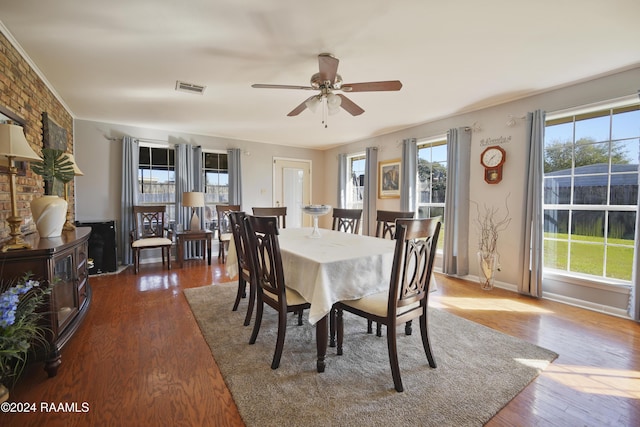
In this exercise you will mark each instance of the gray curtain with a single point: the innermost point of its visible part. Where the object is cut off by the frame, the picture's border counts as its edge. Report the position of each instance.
(235, 176)
(408, 174)
(634, 298)
(370, 196)
(188, 176)
(129, 196)
(456, 209)
(531, 253)
(342, 181)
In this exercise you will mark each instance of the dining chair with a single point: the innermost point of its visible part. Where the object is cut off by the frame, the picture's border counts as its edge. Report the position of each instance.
(223, 227)
(149, 233)
(279, 212)
(408, 294)
(347, 220)
(244, 265)
(385, 228)
(266, 263)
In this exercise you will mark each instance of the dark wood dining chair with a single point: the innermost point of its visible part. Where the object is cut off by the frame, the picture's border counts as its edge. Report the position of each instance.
(150, 232)
(279, 212)
(244, 265)
(347, 220)
(268, 277)
(386, 222)
(385, 229)
(223, 227)
(408, 294)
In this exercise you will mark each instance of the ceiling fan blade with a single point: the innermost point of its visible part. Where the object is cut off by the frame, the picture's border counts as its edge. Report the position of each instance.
(267, 86)
(300, 108)
(328, 67)
(350, 106)
(372, 86)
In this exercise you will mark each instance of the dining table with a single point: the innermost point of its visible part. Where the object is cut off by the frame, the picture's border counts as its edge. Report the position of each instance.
(335, 267)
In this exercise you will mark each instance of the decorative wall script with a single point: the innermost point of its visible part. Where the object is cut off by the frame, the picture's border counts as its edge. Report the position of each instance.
(495, 141)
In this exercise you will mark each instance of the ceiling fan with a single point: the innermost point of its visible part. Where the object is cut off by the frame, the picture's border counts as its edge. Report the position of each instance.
(327, 81)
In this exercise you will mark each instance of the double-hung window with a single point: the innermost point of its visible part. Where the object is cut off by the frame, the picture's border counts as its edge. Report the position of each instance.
(156, 178)
(432, 180)
(591, 193)
(216, 184)
(355, 184)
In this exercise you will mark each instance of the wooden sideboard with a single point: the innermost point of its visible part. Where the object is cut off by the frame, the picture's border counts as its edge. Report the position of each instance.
(60, 262)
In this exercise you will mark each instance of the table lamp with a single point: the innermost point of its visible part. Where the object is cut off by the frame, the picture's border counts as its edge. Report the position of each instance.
(14, 147)
(193, 199)
(68, 225)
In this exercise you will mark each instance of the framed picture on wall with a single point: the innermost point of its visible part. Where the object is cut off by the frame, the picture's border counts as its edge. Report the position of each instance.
(389, 179)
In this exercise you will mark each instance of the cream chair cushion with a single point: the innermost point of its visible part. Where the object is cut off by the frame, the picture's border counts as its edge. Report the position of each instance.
(377, 304)
(293, 297)
(151, 241)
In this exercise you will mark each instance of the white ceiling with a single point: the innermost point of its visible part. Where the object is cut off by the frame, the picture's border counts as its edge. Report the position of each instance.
(118, 61)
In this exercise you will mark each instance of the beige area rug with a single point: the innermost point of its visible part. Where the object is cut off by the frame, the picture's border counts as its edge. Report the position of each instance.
(479, 370)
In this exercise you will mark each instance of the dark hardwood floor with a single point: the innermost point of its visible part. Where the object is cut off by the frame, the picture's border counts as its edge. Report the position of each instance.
(139, 358)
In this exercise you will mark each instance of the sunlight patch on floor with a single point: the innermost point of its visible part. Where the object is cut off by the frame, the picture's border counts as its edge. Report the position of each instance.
(492, 304)
(533, 363)
(157, 282)
(592, 380)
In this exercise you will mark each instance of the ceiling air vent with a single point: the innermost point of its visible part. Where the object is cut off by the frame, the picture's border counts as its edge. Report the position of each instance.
(189, 87)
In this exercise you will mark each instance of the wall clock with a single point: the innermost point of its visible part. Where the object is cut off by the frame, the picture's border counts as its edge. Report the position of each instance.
(492, 158)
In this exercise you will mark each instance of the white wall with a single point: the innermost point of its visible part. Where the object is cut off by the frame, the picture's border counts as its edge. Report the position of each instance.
(493, 125)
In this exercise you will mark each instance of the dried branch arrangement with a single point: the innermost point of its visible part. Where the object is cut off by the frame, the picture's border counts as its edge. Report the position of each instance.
(489, 226)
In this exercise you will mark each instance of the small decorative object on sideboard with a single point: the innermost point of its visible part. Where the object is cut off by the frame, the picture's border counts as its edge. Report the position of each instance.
(50, 211)
(489, 226)
(20, 324)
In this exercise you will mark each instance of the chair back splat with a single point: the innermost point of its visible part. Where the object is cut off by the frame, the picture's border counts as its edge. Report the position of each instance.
(347, 220)
(408, 294)
(268, 278)
(223, 228)
(386, 222)
(278, 212)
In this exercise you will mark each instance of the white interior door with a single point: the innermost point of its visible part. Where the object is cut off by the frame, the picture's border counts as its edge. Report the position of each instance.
(292, 188)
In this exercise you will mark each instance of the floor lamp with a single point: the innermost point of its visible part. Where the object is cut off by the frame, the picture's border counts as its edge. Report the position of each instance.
(68, 225)
(14, 147)
(194, 200)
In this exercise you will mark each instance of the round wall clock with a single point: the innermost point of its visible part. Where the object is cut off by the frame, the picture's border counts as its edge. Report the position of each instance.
(492, 158)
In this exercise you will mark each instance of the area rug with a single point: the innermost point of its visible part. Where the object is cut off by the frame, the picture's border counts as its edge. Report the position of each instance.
(479, 370)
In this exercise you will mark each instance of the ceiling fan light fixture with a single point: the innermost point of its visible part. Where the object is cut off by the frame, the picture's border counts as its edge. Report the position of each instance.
(312, 103)
(333, 103)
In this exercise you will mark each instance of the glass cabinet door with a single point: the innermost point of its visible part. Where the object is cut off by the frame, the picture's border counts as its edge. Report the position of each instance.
(63, 290)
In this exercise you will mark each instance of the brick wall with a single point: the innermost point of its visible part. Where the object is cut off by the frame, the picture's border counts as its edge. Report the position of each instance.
(23, 93)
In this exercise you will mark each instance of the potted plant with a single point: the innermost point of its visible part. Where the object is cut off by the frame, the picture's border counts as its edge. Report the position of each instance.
(20, 327)
(50, 211)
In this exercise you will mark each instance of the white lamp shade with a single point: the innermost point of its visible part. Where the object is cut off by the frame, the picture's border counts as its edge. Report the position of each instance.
(193, 199)
(312, 103)
(76, 169)
(14, 144)
(333, 103)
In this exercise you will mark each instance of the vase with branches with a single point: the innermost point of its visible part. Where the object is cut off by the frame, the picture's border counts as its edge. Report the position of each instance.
(489, 223)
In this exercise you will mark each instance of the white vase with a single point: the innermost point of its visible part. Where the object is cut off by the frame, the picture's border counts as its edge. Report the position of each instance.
(49, 214)
(487, 265)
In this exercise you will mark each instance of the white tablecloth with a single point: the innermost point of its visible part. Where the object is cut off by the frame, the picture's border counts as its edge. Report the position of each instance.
(338, 266)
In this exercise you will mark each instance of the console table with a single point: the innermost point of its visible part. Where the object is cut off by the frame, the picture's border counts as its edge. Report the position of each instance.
(61, 263)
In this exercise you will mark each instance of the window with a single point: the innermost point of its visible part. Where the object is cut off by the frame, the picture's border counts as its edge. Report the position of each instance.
(591, 193)
(156, 178)
(216, 184)
(432, 180)
(355, 185)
